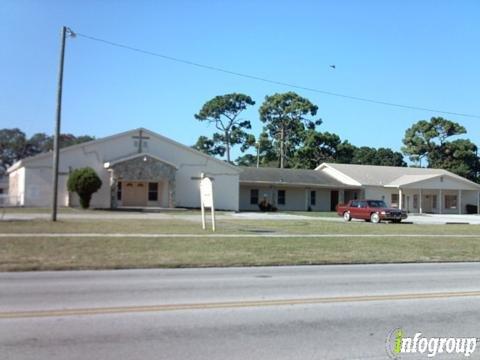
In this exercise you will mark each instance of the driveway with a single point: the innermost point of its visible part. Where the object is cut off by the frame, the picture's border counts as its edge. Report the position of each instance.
(443, 219)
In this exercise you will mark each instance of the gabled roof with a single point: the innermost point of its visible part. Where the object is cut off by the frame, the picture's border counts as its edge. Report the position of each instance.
(392, 176)
(30, 159)
(276, 176)
(411, 179)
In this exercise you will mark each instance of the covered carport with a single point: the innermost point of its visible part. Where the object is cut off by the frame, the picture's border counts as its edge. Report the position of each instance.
(436, 193)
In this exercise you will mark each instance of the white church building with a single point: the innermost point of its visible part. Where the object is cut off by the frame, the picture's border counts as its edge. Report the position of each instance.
(140, 168)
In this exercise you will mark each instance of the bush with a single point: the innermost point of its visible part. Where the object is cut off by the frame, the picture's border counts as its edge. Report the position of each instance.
(264, 205)
(471, 209)
(85, 182)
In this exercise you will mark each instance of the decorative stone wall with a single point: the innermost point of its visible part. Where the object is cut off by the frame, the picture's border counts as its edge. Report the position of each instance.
(144, 168)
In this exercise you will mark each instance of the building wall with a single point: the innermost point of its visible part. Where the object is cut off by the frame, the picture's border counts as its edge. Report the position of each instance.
(380, 193)
(16, 187)
(38, 187)
(296, 199)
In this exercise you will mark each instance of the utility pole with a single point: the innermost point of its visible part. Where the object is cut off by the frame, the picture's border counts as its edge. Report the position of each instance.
(58, 117)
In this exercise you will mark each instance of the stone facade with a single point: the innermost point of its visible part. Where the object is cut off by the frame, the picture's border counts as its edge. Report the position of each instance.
(143, 168)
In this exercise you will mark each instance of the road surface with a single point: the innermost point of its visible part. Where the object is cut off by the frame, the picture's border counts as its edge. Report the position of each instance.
(309, 312)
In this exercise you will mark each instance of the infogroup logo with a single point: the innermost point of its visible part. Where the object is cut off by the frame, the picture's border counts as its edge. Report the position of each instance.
(399, 344)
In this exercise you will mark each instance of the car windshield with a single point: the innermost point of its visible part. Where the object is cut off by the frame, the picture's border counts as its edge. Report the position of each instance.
(377, 204)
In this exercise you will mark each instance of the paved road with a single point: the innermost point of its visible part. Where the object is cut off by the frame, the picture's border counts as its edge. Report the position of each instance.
(321, 312)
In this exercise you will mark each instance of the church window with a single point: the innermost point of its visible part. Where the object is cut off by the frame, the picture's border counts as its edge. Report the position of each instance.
(254, 196)
(119, 190)
(152, 191)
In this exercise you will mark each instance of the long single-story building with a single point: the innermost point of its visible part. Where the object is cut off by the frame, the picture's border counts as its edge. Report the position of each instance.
(140, 168)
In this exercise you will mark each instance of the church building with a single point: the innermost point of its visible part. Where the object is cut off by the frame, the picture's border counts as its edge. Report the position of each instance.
(138, 168)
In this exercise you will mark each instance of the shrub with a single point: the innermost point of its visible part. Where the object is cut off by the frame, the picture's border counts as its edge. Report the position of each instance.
(85, 182)
(264, 205)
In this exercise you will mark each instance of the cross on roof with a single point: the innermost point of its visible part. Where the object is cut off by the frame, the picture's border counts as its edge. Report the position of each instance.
(140, 138)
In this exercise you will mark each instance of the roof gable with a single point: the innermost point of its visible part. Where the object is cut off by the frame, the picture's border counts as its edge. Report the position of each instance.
(32, 159)
(392, 176)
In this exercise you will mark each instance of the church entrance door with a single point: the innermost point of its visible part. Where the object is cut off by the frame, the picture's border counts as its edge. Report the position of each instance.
(135, 193)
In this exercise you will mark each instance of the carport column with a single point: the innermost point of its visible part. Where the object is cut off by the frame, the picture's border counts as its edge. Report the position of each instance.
(400, 195)
(440, 202)
(307, 203)
(478, 202)
(420, 208)
(459, 202)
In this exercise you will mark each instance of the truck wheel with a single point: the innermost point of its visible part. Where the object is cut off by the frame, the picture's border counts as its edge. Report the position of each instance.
(347, 216)
(375, 218)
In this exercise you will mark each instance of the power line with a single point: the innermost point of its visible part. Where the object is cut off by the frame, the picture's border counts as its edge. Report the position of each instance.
(270, 81)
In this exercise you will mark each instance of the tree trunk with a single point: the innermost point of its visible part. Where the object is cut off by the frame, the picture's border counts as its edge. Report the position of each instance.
(227, 145)
(282, 147)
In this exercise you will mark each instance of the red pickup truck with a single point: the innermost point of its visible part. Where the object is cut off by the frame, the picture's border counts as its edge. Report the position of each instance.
(370, 210)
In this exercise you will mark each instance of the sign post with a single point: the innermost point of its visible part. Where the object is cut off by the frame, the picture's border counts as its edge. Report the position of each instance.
(206, 199)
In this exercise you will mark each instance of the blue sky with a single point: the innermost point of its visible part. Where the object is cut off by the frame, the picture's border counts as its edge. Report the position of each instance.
(422, 53)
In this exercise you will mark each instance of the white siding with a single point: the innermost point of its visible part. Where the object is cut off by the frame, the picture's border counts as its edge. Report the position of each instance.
(262, 192)
(380, 193)
(296, 199)
(16, 187)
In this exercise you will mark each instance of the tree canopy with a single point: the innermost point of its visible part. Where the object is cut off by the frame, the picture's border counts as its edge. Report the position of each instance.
(223, 111)
(208, 146)
(424, 137)
(286, 117)
(14, 145)
(430, 140)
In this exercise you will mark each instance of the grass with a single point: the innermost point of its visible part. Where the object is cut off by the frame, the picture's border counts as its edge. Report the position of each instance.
(230, 226)
(42, 253)
(108, 253)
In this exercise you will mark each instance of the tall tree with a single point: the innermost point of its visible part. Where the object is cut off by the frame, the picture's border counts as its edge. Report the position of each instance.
(424, 138)
(12, 147)
(287, 117)
(430, 140)
(317, 148)
(223, 111)
(458, 156)
(382, 156)
(345, 153)
(265, 153)
(38, 143)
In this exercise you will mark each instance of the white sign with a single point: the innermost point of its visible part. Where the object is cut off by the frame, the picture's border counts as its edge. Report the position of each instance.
(206, 192)
(206, 199)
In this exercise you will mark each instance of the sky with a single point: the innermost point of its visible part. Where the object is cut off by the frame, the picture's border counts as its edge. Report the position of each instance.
(420, 53)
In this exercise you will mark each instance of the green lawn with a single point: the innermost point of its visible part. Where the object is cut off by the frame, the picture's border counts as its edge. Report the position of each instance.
(42, 253)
